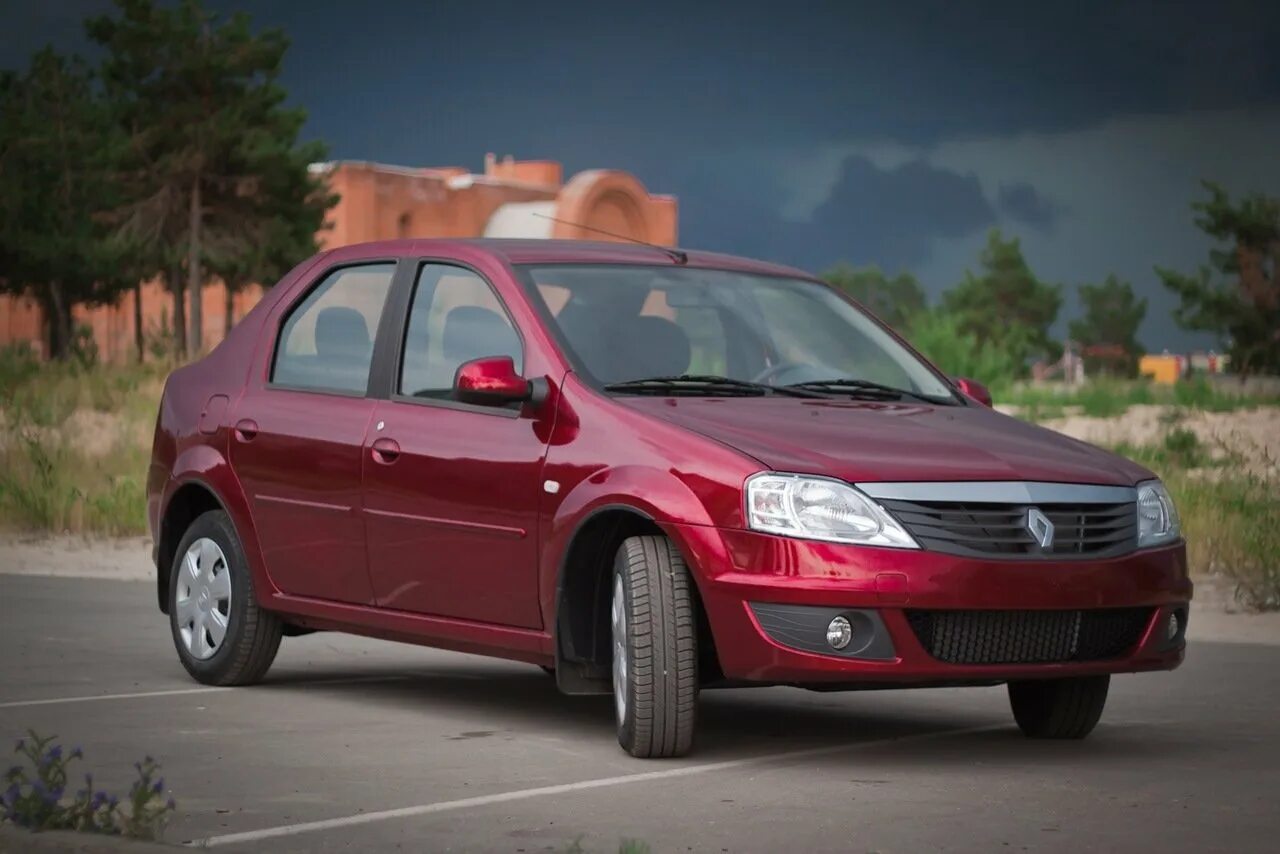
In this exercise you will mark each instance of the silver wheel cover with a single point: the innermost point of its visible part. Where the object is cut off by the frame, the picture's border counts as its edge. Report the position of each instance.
(618, 614)
(202, 602)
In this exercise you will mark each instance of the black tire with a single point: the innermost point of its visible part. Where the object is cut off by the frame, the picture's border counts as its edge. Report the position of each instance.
(252, 634)
(1059, 708)
(661, 683)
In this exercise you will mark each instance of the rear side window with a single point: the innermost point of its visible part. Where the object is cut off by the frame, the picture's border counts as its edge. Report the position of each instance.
(455, 317)
(327, 340)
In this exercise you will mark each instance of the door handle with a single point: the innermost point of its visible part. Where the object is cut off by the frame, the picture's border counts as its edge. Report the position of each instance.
(246, 430)
(385, 451)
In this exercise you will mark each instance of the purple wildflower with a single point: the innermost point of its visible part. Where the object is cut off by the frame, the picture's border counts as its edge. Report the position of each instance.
(159, 786)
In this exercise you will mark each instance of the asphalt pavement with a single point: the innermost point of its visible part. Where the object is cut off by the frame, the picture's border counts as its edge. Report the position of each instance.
(358, 745)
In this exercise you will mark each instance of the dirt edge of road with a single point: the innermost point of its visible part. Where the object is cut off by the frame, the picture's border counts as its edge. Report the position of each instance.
(1213, 617)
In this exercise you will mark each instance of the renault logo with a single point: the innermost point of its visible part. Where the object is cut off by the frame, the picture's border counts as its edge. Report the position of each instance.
(1040, 527)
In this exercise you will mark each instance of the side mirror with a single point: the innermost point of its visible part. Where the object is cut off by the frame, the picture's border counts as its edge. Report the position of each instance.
(491, 381)
(975, 390)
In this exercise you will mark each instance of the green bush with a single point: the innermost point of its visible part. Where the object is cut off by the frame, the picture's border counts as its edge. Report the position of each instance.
(959, 354)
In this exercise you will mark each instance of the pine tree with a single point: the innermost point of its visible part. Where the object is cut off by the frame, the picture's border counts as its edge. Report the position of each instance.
(200, 100)
(1237, 295)
(287, 207)
(1112, 315)
(57, 146)
(1005, 302)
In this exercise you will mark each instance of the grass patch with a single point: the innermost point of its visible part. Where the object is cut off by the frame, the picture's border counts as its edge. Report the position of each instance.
(1107, 398)
(62, 473)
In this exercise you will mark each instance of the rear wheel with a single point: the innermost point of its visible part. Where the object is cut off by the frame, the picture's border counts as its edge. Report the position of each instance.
(1059, 708)
(655, 648)
(222, 636)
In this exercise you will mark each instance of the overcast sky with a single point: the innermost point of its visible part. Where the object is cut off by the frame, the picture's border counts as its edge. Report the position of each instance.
(894, 133)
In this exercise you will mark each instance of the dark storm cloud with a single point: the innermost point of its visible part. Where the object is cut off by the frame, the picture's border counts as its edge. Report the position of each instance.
(891, 216)
(1023, 203)
(873, 216)
(431, 82)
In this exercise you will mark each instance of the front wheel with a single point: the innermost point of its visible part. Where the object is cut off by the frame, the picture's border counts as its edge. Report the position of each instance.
(222, 636)
(655, 648)
(1059, 708)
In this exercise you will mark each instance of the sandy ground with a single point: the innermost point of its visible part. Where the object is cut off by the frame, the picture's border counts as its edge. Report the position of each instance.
(93, 433)
(1215, 617)
(1251, 434)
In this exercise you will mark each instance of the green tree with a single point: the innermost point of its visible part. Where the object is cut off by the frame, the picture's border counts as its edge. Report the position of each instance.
(1005, 303)
(200, 100)
(1112, 315)
(995, 362)
(289, 210)
(57, 146)
(1237, 294)
(894, 300)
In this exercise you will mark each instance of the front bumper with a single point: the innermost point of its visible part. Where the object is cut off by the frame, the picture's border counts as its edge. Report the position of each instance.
(736, 568)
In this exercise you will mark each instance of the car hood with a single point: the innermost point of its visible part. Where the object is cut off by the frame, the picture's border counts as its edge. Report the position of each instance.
(870, 441)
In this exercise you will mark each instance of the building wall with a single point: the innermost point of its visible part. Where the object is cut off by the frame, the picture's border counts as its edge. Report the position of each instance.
(381, 202)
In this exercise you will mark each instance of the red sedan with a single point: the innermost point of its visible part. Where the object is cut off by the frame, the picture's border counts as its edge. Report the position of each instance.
(649, 472)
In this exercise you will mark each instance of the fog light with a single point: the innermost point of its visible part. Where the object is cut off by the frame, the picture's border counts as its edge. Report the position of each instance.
(1171, 631)
(839, 633)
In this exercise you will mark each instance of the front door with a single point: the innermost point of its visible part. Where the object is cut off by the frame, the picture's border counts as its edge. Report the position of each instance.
(297, 440)
(451, 490)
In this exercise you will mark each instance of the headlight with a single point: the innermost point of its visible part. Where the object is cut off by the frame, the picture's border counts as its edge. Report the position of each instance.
(820, 509)
(1157, 517)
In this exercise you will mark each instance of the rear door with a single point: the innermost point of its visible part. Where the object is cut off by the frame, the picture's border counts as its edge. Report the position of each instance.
(298, 435)
(451, 490)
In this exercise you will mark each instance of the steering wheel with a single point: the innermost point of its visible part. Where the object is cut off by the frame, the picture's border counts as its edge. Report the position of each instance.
(773, 371)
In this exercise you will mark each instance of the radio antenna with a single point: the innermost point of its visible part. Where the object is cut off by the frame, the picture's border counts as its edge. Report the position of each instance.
(677, 255)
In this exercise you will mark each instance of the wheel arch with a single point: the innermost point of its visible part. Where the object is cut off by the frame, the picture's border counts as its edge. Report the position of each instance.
(188, 502)
(583, 589)
(203, 480)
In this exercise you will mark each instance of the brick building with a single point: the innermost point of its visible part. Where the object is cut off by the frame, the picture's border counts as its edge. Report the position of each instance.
(511, 198)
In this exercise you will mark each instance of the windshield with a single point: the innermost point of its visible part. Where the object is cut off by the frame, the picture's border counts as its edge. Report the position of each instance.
(627, 323)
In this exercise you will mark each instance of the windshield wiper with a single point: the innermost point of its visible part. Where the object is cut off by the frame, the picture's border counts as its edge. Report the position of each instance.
(866, 388)
(709, 384)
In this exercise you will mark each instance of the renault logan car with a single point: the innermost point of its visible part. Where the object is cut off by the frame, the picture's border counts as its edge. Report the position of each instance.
(649, 472)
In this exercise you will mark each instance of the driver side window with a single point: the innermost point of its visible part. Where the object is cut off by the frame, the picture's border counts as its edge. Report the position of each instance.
(455, 317)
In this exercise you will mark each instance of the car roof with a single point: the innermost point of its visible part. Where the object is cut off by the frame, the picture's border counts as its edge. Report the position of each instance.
(531, 251)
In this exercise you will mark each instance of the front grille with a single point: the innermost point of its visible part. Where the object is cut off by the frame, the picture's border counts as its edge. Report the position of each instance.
(973, 529)
(1028, 637)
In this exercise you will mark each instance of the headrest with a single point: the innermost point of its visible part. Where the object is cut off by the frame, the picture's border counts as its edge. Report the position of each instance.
(342, 331)
(472, 332)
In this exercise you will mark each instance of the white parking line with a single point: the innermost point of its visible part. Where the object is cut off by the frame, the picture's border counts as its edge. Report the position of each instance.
(563, 788)
(211, 689)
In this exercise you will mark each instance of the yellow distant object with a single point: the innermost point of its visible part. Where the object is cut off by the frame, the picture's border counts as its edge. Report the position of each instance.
(1168, 368)
(1162, 369)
